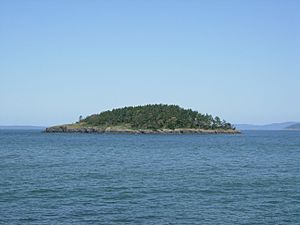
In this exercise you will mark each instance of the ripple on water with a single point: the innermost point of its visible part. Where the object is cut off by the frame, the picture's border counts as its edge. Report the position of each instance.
(251, 178)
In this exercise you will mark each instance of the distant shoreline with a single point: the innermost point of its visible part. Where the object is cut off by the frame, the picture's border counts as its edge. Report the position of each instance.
(22, 127)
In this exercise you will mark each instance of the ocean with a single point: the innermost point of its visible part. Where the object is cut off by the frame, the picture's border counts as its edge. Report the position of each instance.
(50, 178)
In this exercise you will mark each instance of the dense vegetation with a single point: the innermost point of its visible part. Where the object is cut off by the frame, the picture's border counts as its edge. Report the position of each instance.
(155, 117)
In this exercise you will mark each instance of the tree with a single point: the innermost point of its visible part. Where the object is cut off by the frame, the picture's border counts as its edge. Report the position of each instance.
(155, 117)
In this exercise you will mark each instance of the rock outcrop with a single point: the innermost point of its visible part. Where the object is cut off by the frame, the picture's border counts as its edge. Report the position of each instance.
(70, 129)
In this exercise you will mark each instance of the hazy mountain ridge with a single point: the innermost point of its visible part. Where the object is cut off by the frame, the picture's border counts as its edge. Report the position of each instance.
(294, 127)
(272, 126)
(20, 127)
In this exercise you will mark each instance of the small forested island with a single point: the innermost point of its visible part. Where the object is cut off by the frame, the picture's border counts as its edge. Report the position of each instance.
(149, 119)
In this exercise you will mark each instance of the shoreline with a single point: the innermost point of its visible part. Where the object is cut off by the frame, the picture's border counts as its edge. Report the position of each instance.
(113, 130)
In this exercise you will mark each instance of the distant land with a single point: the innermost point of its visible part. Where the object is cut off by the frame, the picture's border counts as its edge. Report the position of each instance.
(149, 119)
(272, 126)
(294, 127)
(22, 127)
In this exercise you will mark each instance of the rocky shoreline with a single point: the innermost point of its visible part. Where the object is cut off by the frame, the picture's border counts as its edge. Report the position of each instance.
(70, 129)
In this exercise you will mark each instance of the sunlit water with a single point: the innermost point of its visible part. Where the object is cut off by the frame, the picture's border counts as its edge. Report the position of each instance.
(252, 178)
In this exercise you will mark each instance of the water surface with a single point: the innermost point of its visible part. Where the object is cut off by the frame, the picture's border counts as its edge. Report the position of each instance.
(252, 178)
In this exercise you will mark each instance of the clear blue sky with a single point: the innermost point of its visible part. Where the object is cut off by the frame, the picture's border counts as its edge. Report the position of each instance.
(59, 59)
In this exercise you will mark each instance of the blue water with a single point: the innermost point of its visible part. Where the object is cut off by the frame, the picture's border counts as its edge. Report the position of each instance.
(252, 178)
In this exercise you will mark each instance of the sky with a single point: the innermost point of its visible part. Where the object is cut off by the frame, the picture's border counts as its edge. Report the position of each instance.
(60, 59)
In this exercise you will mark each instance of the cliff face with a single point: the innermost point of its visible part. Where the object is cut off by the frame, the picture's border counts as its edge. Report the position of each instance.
(70, 129)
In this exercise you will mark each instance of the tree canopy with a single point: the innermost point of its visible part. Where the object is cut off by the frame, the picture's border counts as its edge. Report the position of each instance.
(156, 116)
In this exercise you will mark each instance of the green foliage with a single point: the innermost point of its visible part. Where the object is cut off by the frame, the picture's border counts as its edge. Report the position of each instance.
(155, 117)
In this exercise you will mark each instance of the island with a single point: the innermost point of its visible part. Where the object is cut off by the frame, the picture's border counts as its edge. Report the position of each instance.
(148, 119)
